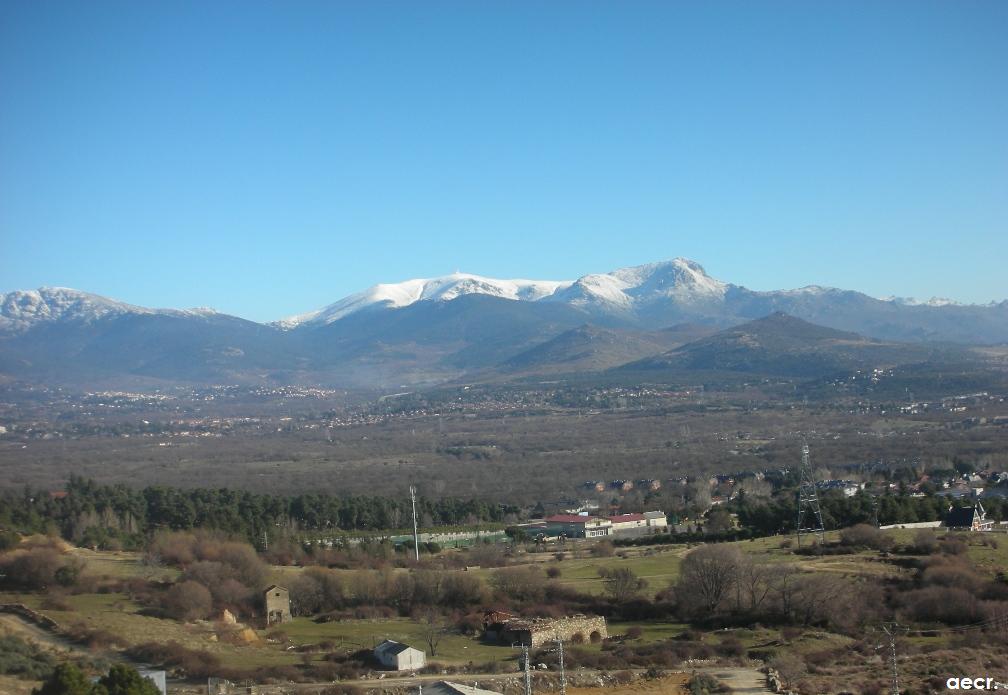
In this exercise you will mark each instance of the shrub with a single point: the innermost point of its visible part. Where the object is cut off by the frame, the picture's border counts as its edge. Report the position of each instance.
(704, 684)
(634, 632)
(8, 540)
(925, 542)
(18, 658)
(188, 600)
(195, 663)
(865, 536)
(66, 679)
(37, 568)
(603, 549)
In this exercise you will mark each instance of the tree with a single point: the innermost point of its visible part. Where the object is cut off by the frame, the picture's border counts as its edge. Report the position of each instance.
(67, 679)
(433, 631)
(621, 583)
(708, 574)
(520, 583)
(124, 680)
(188, 601)
(789, 667)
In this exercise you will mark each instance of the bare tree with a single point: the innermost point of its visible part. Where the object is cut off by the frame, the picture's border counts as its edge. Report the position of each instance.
(789, 667)
(752, 584)
(621, 583)
(434, 630)
(708, 574)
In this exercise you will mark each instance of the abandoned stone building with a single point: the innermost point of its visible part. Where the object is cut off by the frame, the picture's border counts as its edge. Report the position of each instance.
(509, 629)
(276, 600)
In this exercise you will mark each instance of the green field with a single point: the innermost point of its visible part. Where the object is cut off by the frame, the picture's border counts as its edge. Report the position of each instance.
(116, 614)
(365, 634)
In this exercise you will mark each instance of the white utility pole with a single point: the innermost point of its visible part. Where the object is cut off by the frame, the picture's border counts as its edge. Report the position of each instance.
(416, 533)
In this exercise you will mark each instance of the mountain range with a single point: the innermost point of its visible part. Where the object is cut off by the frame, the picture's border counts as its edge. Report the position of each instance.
(429, 331)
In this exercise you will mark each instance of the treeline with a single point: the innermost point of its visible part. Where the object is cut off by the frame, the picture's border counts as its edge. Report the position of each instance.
(120, 516)
(767, 517)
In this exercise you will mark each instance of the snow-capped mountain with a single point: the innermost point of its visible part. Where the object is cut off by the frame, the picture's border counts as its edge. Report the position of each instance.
(437, 329)
(622, 290)
(23, 309)
(627, 289)
(913, 301)
(444, 289)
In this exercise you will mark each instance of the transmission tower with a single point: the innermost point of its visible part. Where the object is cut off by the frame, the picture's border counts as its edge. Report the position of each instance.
(527, 668)
(563, 673)
(809, 513)
(892, 631)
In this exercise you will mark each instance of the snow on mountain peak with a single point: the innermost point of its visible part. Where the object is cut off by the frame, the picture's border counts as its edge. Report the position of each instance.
(22, 309)
(445, 288)
(911, 301)
(680, 278)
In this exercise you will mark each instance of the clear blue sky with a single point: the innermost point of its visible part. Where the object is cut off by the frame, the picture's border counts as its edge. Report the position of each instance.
(267, 158)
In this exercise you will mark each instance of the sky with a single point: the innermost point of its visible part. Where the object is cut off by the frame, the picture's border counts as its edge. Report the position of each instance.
(268, 158)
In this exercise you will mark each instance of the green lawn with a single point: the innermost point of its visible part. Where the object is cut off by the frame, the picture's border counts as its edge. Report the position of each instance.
(365, 634)
(658, 569)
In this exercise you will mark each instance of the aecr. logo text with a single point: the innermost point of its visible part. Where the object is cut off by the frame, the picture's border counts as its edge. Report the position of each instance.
(971, 684)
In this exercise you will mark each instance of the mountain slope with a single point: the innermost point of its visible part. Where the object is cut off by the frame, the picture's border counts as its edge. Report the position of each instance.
(680, 291)
(590, 348)
(784, 345)
(433, 330)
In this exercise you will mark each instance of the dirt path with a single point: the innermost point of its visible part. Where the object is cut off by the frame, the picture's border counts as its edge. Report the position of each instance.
(16, 625)
(746, 681)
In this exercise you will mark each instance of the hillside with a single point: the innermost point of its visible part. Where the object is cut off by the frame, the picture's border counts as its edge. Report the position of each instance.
(784, 345)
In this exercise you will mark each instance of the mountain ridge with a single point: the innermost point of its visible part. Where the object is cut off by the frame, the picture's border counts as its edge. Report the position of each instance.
(436, 330)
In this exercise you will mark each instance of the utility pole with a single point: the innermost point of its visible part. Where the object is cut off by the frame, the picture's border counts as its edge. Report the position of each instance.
(527, 668)
(809, 514)
(416, 533)
(563, 674)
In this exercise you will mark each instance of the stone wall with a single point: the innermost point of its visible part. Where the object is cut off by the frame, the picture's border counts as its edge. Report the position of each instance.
(573, 629)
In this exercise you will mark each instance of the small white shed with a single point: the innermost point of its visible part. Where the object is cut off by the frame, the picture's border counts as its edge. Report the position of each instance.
(399, 657)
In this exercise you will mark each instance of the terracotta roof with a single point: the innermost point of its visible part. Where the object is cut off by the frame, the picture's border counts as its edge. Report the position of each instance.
(569, 519)
(626, 517)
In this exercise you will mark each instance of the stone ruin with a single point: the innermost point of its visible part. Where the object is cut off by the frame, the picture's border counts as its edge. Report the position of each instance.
(535, 632)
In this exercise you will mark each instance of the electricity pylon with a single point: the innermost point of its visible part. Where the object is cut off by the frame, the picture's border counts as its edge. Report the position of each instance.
(809, 513)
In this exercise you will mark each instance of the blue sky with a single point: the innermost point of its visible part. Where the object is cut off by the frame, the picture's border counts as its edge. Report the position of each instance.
(267, 158)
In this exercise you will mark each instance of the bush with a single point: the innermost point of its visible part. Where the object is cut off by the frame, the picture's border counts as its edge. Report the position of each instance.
(634, 632)
(125, 680)
(195, 663)
(924, 542)
(66, 679)
(603, 549)
(704, 684)
(8, 540)
(18, 658)
(38, 568)
(188, 600)
(865, 536)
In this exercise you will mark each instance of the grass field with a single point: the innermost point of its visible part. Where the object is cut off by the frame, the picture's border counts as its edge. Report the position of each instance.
(365, 634)
(116, 614)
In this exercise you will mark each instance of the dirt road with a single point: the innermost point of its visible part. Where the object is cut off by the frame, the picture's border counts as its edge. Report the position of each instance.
(746, 681)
